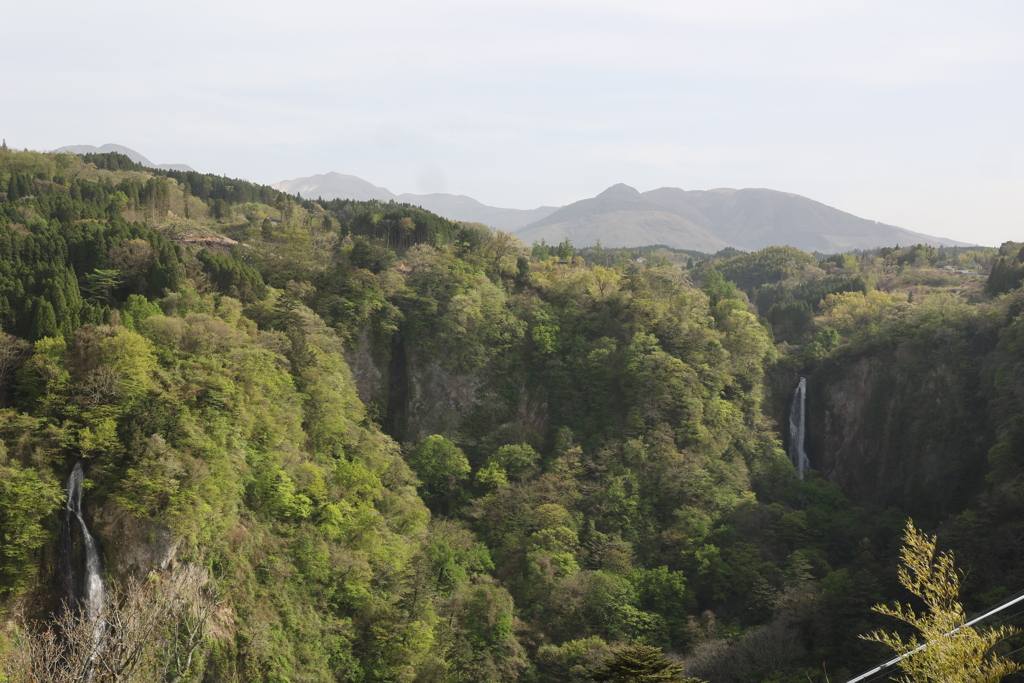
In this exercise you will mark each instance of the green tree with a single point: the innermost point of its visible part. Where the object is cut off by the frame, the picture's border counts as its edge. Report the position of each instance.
(565, 250)
(947, 650)
(717, 287)
(541, 250)
(118, 202)
(515, 460)
(442, 468)
(100, 284)
(27, 499)
(640, 664)
(137, 309)
(43, 381)
(44, 322)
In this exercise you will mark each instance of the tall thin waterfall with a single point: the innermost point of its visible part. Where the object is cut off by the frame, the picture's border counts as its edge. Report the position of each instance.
(94, 595)
(798, 428)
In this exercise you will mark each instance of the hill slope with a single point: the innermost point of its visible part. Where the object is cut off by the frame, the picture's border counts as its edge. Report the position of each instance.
(128, 152)
(748, 219)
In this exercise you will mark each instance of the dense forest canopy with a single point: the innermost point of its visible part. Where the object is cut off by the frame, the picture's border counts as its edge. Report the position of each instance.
(409, 449)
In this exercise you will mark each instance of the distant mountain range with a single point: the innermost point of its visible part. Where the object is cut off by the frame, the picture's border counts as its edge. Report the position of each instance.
(455, 207)
(704, 220)
(709, 220)
(121, 149)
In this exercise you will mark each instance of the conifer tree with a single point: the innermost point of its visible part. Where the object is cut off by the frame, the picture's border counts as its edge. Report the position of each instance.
(640, 664)
(44, 322)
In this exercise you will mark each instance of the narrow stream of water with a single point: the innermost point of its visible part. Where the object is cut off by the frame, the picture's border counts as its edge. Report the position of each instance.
(94, 591)
(798, 428)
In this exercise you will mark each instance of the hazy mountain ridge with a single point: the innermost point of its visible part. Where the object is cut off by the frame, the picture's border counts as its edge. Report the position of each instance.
(747, 219)
(462, 208)
(121, 149)
(335, 186)
(646, 226)
(704, 220)
(455, 207)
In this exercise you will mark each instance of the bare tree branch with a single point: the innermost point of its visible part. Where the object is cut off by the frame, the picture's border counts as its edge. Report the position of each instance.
(152, 630)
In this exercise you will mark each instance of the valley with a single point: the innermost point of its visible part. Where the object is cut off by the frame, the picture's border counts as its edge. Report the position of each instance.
(373, 443)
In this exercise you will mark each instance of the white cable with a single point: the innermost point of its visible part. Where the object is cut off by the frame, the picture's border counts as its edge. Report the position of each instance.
(972, 622)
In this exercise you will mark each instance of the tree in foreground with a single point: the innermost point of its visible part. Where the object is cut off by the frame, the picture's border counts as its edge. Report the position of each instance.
(946, 650)
(640, 664)
(154, 629)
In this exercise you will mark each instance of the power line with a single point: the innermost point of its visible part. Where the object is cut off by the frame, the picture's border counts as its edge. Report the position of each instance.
(896, 660)
(1006, 619)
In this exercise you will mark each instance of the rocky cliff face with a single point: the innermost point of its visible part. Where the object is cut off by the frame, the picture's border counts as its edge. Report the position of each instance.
(368, 377)
(891, 433)
(133, 546)
(439, 399)
(422, 395)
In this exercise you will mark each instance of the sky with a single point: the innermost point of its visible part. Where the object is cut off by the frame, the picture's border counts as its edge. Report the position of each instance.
(908, 112)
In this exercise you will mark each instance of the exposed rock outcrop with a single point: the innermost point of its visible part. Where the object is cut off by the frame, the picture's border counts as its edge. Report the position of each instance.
(133, 546)
(891, 433)
(439, 399)
(369, 379)
(422, 395)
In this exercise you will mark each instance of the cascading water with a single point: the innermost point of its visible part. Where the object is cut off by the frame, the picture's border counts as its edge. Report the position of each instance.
(798, 428)
(94, 594)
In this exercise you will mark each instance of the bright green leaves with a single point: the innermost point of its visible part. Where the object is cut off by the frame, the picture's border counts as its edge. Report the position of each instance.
(157, 484)
(661, 387)
(513, 461)
(28, 499)
(717, 287)
(274, 491)
(99, 436)
(551, 549)
(766, 266)
(43, 381)
(136, 310)
(490, 477)
(455, 556)
(662, 591)
(130, 356)
(545, 332)
(442, 468)
(279, 493)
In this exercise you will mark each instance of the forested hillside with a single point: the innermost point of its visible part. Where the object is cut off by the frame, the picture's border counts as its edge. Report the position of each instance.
(399, 448)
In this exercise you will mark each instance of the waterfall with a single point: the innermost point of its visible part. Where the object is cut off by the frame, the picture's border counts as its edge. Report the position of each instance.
(798, 428)
(94, 594)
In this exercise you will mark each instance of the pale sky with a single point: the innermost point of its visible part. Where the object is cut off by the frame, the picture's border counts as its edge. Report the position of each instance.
(907, 112)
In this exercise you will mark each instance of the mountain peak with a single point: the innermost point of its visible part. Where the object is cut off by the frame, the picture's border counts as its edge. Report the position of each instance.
(333, 185)
(748, 219)
(620, 190)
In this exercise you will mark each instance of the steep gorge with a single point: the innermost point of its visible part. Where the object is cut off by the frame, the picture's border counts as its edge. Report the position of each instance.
(892, 429)
(449, 461)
